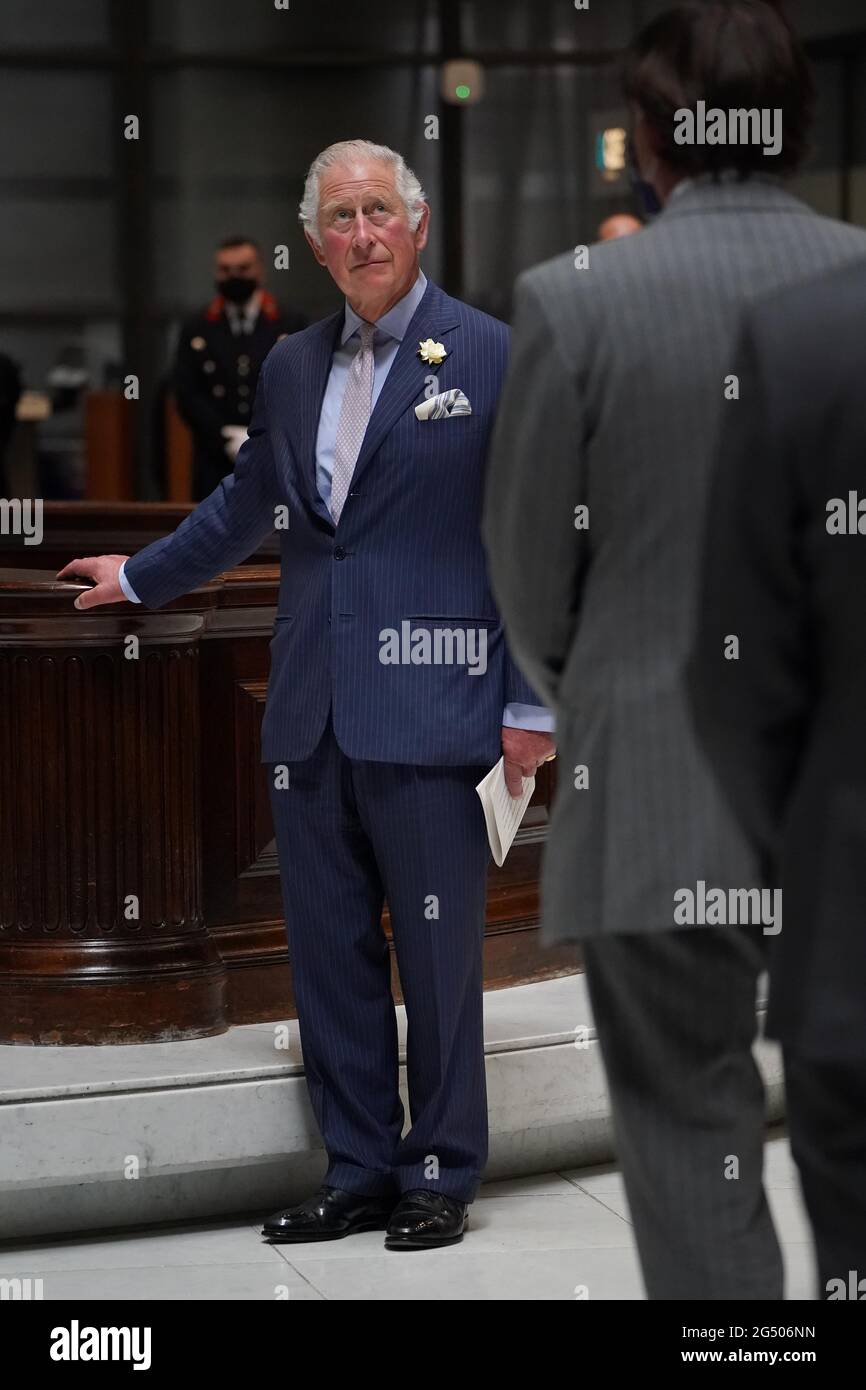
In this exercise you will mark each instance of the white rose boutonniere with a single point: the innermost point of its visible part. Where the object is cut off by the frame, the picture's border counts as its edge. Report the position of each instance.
(434, 353)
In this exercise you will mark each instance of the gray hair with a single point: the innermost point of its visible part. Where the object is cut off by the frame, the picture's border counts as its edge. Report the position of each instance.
(347, 152)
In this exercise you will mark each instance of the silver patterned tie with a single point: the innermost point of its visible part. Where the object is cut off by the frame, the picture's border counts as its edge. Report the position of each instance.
(354, 418)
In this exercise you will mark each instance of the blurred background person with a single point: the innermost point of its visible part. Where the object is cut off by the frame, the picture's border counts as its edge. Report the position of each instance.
(219, 355)
(612, 404)
(783, 724)
(621, 224)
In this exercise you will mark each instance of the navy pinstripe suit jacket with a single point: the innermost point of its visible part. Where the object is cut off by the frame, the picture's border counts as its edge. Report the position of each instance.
(407, 547)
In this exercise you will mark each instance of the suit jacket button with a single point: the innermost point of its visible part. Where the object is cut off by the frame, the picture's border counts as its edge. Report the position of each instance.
(339, 553)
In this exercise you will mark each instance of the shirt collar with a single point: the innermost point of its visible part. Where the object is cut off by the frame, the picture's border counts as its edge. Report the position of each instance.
(726, 178)
(395, 323)
(242, 314)
(679, 188)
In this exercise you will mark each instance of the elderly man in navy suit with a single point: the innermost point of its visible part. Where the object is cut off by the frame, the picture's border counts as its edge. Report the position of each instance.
(391, 692)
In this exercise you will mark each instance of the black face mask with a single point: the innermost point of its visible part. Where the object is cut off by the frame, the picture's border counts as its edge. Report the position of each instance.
(237, 288)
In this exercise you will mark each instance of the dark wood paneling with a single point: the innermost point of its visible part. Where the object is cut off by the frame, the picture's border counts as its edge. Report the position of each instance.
(102, 935)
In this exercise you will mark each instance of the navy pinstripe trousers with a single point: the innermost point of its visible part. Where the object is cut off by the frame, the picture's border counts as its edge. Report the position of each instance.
(351, 834)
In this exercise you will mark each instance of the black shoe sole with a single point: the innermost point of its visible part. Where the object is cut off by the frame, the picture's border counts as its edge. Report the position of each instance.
(309, 1238)
(410, 1243)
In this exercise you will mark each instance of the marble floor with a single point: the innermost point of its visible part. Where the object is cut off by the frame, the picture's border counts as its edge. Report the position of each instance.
(534, 1238)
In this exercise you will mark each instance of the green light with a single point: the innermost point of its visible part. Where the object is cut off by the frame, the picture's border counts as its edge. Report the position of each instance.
(462, 91)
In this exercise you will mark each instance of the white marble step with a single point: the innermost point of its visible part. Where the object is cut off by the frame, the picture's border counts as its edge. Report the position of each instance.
(97, 1137)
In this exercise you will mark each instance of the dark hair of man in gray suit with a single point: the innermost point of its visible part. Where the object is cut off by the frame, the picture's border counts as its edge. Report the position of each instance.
(620, 372)
(733, 56)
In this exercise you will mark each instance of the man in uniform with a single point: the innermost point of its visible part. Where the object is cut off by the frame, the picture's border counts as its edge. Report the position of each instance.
(219, 355)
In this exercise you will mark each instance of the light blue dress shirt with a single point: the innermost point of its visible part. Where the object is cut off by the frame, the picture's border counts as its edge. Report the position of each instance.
(126, 586)
(391, 329)
(390, 332)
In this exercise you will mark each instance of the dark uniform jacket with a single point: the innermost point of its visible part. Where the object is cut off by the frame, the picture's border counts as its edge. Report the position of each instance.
(215, 379)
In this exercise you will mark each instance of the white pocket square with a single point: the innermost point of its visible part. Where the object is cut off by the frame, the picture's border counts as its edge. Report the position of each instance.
(443, 406)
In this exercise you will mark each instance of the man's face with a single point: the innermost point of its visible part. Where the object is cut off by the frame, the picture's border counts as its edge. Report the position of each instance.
(367, 243)
(240, 261)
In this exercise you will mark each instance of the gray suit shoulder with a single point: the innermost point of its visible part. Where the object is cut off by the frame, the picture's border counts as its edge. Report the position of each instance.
(567, 294)
(565, 276)
(846, 233)
(784, 318)
(549, 277)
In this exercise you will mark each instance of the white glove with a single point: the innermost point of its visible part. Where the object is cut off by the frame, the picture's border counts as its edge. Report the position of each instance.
(234, 436)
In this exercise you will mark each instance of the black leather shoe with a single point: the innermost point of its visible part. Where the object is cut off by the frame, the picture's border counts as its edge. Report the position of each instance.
(329, 1214)
(422, 1220)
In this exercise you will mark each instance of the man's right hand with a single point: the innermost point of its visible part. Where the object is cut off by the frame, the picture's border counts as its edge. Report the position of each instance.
(234, 436)
(103, 570)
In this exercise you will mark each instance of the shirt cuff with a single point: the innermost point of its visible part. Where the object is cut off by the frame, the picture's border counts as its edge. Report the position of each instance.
(535, 717)
(126, 586)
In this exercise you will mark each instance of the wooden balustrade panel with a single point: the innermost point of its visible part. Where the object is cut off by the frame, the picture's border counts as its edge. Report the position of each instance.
(74, 529)
(102, 935)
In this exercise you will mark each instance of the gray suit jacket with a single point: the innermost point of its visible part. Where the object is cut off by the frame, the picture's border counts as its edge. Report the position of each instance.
(613, 401)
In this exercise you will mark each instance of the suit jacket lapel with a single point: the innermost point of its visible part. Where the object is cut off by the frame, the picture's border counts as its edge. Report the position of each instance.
(314, 373)
(434, 316)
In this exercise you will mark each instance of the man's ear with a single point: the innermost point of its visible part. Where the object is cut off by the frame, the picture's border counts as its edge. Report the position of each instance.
(315, 248)
(423, 228)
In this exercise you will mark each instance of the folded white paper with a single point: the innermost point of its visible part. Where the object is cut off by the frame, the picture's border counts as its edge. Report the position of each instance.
(502, 811)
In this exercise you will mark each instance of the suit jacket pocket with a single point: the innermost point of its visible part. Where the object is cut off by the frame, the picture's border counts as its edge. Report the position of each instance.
(452, 618)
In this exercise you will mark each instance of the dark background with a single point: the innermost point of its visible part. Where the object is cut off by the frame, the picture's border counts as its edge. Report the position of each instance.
(105, 242)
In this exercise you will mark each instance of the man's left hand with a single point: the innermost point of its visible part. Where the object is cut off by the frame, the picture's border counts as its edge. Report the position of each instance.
(524, 751)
